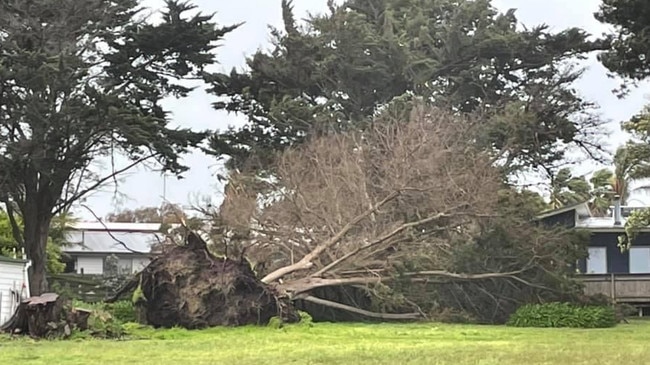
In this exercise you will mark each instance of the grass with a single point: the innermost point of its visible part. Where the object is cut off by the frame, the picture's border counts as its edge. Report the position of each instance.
(353, 344)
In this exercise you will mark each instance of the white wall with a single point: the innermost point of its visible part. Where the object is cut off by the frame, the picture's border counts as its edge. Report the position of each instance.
(91, 265)
(11, 278)
(139, 263)
(94, 265)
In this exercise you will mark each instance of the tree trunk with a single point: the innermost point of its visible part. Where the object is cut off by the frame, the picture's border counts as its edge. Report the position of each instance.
(36, 233)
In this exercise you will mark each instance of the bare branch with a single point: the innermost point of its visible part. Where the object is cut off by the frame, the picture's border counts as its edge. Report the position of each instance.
(305, 262)
(78, 195)
(363, 312)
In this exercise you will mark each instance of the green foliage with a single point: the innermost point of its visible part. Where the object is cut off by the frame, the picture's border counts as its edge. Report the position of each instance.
(636, 221)
(66, 102)
(138, 294)
(102, 324)
(275, 322)
(305, 319)
(341, 67)
(55, 241)
(563, 315)
(567, 189)
(628, 53)
(525, 202)
(338, 343)
(122, 311)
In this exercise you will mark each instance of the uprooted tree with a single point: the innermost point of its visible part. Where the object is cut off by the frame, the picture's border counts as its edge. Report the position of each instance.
(407, 207)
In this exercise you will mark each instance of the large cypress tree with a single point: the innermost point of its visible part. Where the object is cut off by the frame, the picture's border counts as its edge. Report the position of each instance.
(340, 68)
(81, 80)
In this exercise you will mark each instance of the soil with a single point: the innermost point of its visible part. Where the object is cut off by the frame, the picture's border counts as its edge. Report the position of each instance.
(189, 287)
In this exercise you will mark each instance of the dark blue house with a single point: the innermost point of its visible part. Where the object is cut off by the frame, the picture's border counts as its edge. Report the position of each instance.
(623, 275)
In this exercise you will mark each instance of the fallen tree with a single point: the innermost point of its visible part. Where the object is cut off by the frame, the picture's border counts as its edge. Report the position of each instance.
(408, 215)
(188, 286)
(408, 206)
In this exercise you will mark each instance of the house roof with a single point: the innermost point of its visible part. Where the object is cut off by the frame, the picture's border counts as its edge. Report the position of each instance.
(12, 260)
(115, 226)
(112, 242)
(595, 223)
(582, 209)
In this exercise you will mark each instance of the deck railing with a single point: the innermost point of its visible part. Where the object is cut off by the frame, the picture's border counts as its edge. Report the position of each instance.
(628, 288)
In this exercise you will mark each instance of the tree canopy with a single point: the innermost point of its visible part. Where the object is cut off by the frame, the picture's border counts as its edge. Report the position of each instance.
(339, 69)
(629, 52)
(82, 80)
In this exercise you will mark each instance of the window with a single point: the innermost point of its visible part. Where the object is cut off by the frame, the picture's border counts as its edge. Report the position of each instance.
(639, 260)
(125, 266)
(597, 260)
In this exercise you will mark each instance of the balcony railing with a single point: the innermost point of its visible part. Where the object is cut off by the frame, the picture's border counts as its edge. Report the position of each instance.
(627, 288)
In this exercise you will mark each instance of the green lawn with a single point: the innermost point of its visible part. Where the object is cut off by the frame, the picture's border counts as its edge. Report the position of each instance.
(348, 344)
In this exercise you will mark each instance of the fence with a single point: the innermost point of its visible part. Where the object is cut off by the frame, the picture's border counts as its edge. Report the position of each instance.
(622, 288)
(87, 288)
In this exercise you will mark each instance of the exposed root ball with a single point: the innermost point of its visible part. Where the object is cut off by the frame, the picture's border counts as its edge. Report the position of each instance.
(189, 287)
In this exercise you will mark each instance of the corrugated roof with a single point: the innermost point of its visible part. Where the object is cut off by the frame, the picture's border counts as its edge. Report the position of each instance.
(113, 226)
(103, 242)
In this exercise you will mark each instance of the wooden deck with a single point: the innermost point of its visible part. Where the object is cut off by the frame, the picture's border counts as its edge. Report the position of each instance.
(623, 288)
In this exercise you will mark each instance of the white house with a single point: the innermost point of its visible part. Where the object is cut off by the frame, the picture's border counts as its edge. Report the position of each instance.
(14, 285)
(90, 244)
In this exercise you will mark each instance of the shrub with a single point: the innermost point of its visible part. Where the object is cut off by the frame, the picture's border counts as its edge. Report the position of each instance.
(624, 310)
(123, 311)
(563, 315)
(305, 319)
(103, 325)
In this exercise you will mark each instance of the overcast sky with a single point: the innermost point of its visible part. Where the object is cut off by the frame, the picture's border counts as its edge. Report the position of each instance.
(142, 188)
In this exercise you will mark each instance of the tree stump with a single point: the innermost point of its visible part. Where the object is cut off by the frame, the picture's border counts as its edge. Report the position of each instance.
(37, 316)
(45, 316)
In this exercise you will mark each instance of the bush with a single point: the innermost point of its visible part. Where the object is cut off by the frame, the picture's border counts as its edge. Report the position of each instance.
(102, 324)
(563, 315)
(123, 311)
(624, 310)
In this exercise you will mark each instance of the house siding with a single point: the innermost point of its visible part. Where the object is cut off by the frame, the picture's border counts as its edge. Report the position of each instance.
(91, 265)
(566, 219)
(617, 262)
(11, 278)
(94, 265)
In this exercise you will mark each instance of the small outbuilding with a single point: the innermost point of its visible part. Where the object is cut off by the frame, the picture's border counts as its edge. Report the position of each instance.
(14, 285)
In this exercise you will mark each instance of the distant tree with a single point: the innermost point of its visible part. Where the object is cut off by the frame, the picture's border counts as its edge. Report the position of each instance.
(168, 215)
(631, 163)
(341, 68)
(567, 189)
(143, 215)
(56, 240)
(80, 80)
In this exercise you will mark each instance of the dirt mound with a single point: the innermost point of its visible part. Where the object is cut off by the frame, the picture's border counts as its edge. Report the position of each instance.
(189, 287)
